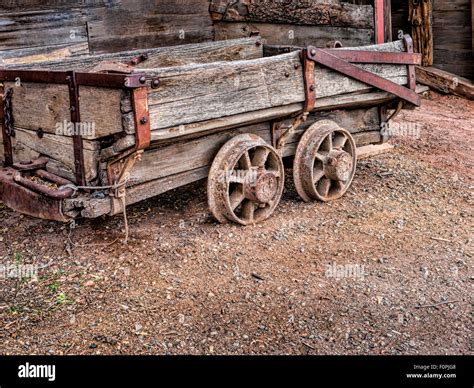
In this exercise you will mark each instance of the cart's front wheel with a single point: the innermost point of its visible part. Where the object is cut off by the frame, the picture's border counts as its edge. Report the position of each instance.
(325, 162)
(246, 181)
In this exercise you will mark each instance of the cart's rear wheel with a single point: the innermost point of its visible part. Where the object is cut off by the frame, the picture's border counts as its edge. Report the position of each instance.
(246, 181)
(325, 162)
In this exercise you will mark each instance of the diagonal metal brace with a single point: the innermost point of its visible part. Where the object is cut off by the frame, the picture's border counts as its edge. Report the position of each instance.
(333, 62)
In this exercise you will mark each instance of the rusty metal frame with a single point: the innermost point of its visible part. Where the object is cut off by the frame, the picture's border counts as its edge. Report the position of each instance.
(309, 80)
(378, 57)
(331, 60)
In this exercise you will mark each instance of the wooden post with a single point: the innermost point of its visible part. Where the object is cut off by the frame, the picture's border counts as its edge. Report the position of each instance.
(472, 28)
(388, 20)
(379, 8)
(420, 16)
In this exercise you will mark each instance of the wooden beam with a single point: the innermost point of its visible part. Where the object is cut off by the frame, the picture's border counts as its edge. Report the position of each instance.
(379, 11)
(421, 15)
(445, 82)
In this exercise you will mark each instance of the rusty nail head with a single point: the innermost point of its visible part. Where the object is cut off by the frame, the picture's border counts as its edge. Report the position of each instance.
(297, 66)
(143, 120)
(155, 83)
(142, 79)
(312, 88)
(287, 74)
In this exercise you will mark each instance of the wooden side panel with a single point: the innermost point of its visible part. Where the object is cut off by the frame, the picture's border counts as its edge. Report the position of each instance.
(197, 93)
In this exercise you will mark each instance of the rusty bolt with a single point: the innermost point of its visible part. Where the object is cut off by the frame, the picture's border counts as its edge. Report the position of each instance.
(142, 79)
(155, 83)
(143, 120)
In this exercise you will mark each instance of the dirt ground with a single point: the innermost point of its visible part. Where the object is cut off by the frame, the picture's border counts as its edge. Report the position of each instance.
(385, 270)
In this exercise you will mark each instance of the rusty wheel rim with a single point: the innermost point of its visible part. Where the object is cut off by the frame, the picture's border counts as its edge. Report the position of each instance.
(246, 181)
(325, 162)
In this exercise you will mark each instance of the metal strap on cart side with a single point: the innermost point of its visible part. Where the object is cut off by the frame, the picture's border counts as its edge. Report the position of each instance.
(342, 62)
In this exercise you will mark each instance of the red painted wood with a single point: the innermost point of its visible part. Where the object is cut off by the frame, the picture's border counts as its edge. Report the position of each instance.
(379, 22)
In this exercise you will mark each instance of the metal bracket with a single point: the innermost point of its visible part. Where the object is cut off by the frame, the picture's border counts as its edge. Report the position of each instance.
(77, 138)
(279, 139)
(331, 59)
(309, 80)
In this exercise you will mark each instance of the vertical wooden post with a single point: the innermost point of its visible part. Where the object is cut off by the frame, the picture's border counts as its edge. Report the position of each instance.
(420, 16)
(472, 23)
(379, 21)
(388, 20)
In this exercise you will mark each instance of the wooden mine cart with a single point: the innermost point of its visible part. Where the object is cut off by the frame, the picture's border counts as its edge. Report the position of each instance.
(84, 137)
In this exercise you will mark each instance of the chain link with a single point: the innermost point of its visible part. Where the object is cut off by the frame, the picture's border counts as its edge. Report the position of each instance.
(8, 112)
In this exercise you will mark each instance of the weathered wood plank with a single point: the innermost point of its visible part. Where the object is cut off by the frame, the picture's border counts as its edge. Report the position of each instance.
(42, 28)
(445, 82)
(27, 146)
(46, 106)
(197, 93)
(187, 155)
(132, 24)
(294, 35)
(208, 52)
(313, 13)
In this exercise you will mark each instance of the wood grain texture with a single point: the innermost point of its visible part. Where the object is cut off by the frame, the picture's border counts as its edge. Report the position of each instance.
(312, 13)
(198, 93)
(296, 35)
(230, 50)
(46, 106)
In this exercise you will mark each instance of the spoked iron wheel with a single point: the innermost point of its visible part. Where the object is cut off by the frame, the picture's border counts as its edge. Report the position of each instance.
(325, 162)
(246, 181)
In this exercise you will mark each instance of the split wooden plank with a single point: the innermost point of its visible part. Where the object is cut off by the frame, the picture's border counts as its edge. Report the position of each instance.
(445, 82)
(312, 13)
(208, 52)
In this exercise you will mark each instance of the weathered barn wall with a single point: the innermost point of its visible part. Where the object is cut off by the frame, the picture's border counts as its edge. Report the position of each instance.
(61, 28)
(298, 23)
(452, 32)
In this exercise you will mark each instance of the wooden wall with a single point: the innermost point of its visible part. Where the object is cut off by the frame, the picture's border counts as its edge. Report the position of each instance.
(297, 23)
(73, 27)
(452, 33)
(59, 28)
